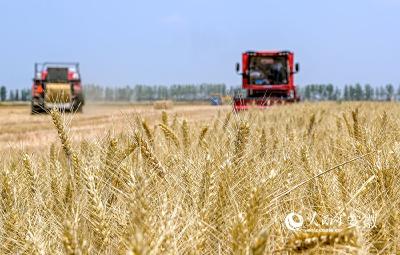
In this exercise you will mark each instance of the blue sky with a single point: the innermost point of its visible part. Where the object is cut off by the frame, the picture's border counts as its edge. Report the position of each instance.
(164, 42)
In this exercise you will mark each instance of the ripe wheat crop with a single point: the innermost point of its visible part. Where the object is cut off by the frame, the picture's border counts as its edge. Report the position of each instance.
(226, 186)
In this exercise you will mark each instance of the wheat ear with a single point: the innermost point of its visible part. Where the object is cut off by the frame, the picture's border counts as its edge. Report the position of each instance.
(149, 156)
(169, 134)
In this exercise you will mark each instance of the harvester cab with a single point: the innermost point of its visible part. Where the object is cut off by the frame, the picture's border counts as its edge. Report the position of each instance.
(267, 79)
(57, 85)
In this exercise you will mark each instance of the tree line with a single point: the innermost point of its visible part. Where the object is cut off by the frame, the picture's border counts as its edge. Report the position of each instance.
(189, 92)
(179, 92)
(357, 92)
(93, 92)
(14, 94)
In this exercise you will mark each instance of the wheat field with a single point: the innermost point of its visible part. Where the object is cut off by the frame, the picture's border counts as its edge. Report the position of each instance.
(172, 182)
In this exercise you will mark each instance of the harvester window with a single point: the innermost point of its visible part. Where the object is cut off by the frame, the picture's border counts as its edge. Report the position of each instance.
(57, 74)
(268, 70)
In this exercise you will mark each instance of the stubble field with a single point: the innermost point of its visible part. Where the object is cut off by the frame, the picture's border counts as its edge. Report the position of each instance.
(19, 130)
(317, 178)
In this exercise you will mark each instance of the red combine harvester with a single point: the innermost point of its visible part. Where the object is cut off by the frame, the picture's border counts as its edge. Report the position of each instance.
(267, 79)
(57, 85)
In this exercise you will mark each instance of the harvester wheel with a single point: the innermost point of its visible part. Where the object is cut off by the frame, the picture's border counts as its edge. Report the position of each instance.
(79, 109)
(77, 104)
(35, 110)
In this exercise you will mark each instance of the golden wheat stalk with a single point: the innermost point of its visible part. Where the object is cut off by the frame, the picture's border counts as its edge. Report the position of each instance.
(185, 135)
(169, 134)
(226, 121)
(98, 214)
(32, 175)
(148, 132)
(242, 138)
(259, 245)
(263, 143)
(71, 241)
(164, 118)
(202, 141)
(174, 122)
(149, 156)
(62, 133)
(303, 242)
(10, 216)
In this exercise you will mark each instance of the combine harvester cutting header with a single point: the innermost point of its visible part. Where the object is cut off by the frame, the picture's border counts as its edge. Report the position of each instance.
(267, 79)
(57, 85)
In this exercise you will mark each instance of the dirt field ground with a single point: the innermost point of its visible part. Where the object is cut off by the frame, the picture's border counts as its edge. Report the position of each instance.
(21, 130)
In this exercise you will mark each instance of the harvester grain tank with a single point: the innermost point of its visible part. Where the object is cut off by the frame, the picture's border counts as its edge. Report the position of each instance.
(57, 85)
(267, 79)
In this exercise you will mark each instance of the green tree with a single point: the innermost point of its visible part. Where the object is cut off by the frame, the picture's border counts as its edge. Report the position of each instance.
(377, 93)
(336, 94)
(398, 93)
(329, 91)
(368, 92)
(346, 93)
(389, 92)
(24, 95)
(358, 92)
(382, 93)
(3, 93)
(307, 92)
(12, 95)
(16, 95)
(109, 94)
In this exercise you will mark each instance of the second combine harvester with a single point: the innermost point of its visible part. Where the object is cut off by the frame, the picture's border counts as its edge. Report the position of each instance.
(267, 79)
(57, 85)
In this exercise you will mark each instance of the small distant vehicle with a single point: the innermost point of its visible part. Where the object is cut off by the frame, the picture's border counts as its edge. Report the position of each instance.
(216, 99)
(267, 79)
(57, 85)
